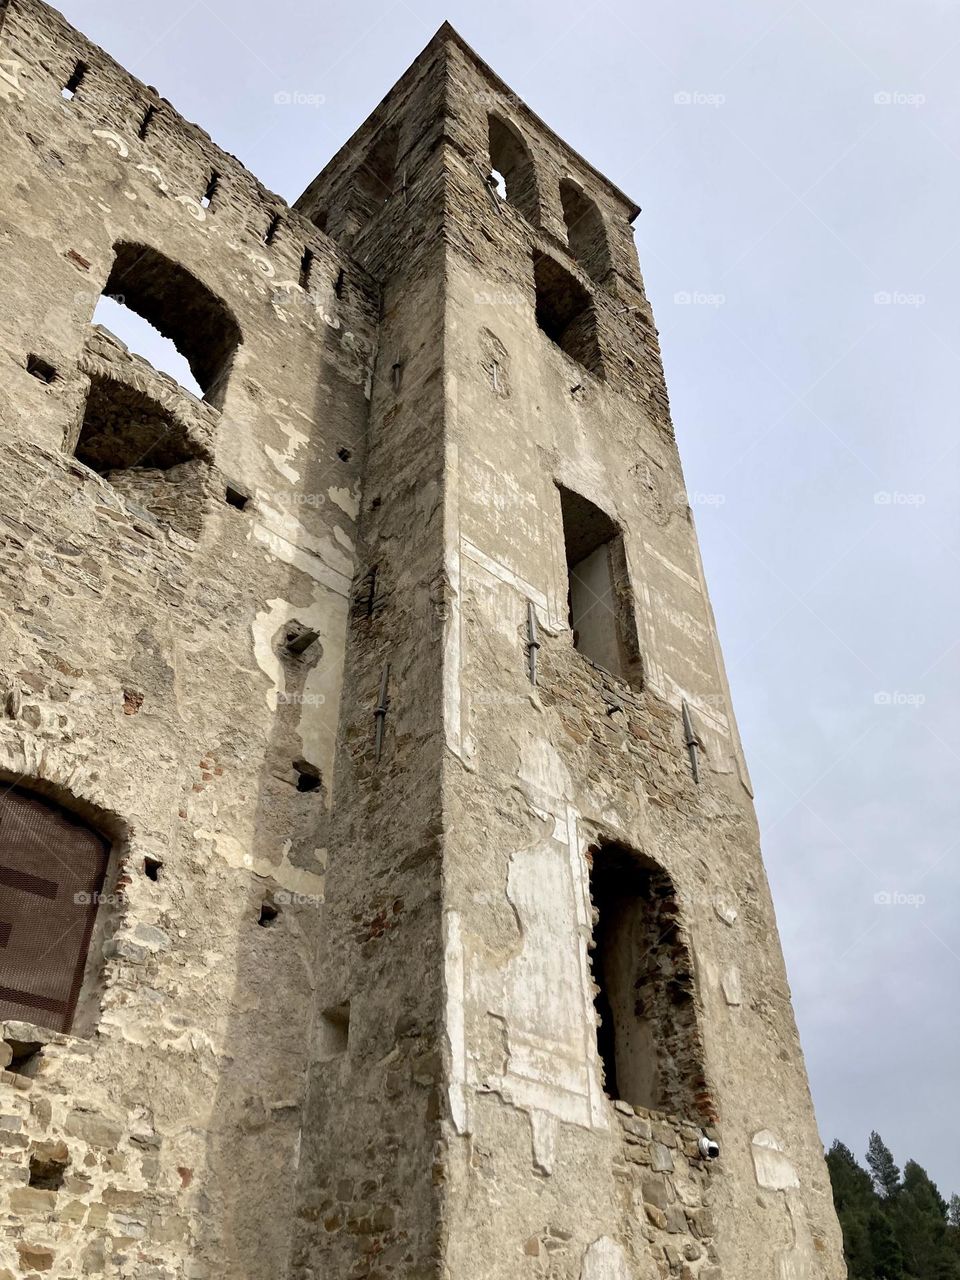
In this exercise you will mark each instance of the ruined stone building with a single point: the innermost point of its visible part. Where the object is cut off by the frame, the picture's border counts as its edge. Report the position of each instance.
(380, 888)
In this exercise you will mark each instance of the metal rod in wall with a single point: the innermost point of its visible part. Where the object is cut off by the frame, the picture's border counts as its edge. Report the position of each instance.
(533, 641)
(382, 704)
(691, 741)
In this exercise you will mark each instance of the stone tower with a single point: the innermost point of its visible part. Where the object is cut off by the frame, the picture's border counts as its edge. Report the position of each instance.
(381, 888)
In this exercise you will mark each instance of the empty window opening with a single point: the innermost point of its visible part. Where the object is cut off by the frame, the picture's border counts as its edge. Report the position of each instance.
(145, 453)
(599, 599)
(344, 454)
(40, 368)
(25, 1056)
(511, 168)
(48, 1165)
(308, 776)
(648, 1039)
(338, 286)
(306, 267)
(146, 122)
(319, 219)
(333, 1032)
(52, 870)
(179, 308)
(152, 868)
(586, 233)
(211, 190)
(565, 313)
(269, 914)
(272, 228)
(235, 497)
(140, 336)
(69, 90)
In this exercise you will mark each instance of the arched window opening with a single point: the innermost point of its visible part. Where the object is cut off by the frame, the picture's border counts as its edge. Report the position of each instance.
(565, 313)
(512, 168)
(140, 336)
(586, 233)
(648, 1036)
(52, 872)
(181, 309)
(145, 453)
(599, 597)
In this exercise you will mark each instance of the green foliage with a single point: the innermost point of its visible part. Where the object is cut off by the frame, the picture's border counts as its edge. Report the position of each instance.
(893, 1228)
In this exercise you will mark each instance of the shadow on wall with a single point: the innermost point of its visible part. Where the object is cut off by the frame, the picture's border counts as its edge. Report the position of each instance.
(253, 1146)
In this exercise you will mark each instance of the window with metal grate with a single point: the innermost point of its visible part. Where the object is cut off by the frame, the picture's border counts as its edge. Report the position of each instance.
(52, 869)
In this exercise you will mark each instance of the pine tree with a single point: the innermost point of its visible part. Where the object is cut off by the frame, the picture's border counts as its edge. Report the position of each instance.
(920, 1221)
(885, 1247)
(854, 1197)
(953, 1212)
(886, 1175)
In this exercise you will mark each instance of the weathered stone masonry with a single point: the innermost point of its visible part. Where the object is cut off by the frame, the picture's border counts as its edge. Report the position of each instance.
(275, 647)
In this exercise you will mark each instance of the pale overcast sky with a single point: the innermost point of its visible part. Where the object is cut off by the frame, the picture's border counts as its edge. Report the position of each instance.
(797, 163)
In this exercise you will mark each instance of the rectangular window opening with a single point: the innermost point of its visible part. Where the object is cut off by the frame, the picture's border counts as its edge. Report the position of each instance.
(236, 497)
(274, 226)
(599, 599)
(40, 368)
(566, 314)
(648, 1038)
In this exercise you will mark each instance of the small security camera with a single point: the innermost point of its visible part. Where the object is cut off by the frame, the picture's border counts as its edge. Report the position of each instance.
(708, 1148)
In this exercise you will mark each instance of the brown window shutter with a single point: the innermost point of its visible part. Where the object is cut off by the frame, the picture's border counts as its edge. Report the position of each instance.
(52, 869)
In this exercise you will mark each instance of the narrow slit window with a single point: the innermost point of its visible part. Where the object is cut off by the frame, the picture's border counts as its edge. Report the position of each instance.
(146, 122)
(306, 268)
(211, 190)
(272, 228)
(72, 86)
(599, 598)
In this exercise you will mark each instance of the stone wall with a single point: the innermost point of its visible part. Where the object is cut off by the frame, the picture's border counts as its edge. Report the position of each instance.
(284, 660)
(147, 682)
